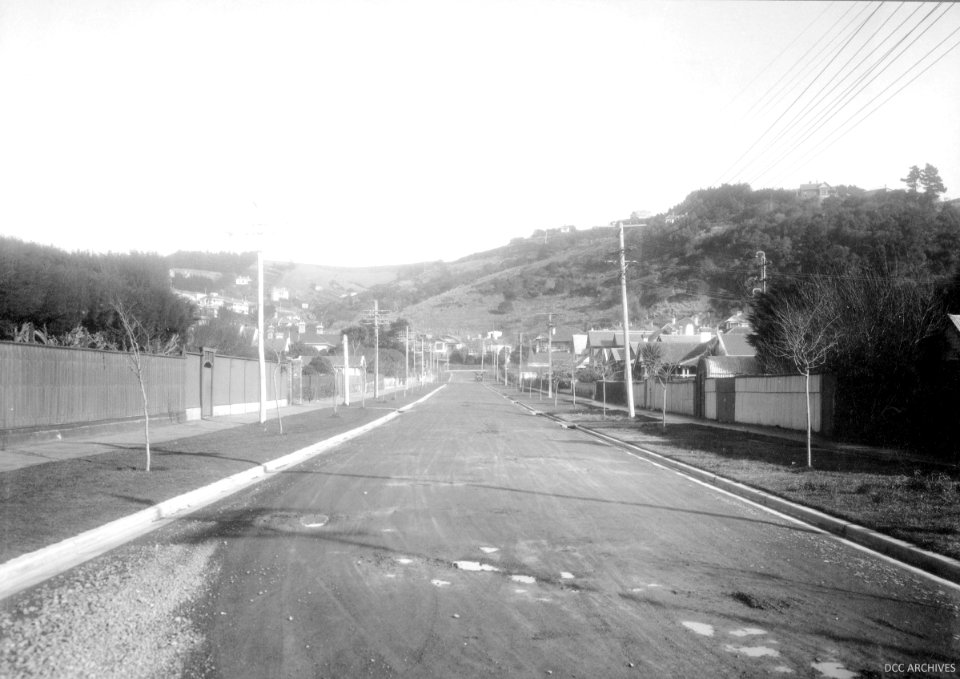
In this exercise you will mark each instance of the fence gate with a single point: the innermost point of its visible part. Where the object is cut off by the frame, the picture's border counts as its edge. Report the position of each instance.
(727, 399)
(206, 382)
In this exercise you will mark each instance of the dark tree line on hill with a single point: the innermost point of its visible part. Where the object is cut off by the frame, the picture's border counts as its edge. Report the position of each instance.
(54, 293)
(712, 245)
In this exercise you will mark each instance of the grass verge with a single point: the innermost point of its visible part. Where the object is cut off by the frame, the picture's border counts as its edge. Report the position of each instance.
(46, 503)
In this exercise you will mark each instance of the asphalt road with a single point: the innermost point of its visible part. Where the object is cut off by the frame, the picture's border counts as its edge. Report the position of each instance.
(470, 538)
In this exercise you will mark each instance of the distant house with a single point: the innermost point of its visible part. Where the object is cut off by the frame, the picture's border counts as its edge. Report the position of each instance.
(278, 293)
(672, 218)
(681, 354)
(734, 342)
(314, 337)
(738, 320)
(604, 347)
(818, 190)
(561, 341)
(238, 306)
(211, 302)
(244, 280)
(195, 273)
(727, 366)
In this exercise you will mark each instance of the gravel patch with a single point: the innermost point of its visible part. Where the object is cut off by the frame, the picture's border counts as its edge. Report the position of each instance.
(123, 616)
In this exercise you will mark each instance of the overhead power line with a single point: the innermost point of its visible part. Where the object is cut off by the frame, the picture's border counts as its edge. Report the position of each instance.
(808, 86)
(840, 132)
(859, 86)
(776, 58)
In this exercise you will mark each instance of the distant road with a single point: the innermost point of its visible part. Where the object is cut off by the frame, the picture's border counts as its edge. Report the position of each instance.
(470, 538)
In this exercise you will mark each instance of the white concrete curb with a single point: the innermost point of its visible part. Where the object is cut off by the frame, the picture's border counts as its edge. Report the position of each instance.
(900, 550)
(33, 568)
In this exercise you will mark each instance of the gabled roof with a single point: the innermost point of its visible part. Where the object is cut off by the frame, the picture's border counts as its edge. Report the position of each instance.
(728, 366)
(955, 319)
(683, 350)
(735, 344)
(611, 338)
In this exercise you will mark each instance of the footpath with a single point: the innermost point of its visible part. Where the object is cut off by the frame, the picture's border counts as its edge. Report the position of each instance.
(559, 405)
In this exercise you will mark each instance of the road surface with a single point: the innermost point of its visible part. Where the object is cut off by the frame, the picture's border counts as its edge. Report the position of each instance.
(469, 538)
(473, 539)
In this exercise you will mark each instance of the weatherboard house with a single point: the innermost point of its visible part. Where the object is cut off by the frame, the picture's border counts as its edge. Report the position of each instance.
(818, 190)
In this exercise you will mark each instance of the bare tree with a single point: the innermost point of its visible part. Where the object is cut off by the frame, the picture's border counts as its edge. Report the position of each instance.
(137, 342)
(276, 392)
(656, 366)
(805, 336)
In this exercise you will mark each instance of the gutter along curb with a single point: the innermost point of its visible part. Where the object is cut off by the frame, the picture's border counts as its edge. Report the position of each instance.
(34, 567)
(937, 564)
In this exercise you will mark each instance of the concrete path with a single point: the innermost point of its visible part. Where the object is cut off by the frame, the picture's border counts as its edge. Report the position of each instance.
(83, 442)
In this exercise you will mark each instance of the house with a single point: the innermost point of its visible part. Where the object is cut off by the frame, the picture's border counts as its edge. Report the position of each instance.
(195, 273)
(818, 190)
(604, 347)
(734, 342)
(237, 306)
(314, 337)
(727, 366)
(244, 280)
(278, 293)
(680, 354)
(738, 320)
(561, 341)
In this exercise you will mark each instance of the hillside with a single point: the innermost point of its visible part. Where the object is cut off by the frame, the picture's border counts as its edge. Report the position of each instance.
(699, 259)
(702, 258)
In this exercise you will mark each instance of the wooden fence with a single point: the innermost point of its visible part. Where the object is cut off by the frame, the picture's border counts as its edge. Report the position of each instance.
(767, 400)
(43, 386)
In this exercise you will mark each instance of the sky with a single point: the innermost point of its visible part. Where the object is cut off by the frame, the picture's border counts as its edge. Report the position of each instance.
(378, 132)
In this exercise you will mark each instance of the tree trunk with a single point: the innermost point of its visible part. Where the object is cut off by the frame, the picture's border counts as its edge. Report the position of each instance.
(146, 417)
(809, 427)
(663, 419)
(276, 397)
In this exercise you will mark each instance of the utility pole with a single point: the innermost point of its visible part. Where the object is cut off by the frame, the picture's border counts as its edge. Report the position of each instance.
(520, 365)
(627, 367)
(260, 334)
(376, 350)
(346, 370)
(762, 257)
(406, 359)
(549, 355)
(377, 318)
(550, 327)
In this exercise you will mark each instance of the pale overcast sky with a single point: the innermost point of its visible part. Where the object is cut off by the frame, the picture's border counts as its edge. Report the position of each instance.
(394, 131)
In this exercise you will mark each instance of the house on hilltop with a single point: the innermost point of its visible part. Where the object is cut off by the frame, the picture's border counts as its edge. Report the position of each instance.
(819, 190)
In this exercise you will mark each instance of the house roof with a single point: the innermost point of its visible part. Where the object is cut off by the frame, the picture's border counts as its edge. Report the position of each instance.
(611, 338)
(955, 319)
(728, 366)
(683, 350)
(736, 344)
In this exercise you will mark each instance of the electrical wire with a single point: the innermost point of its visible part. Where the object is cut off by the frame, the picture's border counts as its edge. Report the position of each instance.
(809, 85)
(862, 84)
(837, 134)
(797, 128)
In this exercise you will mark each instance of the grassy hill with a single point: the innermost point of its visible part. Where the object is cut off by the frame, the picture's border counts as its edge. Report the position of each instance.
(701, 259)
(511, 288)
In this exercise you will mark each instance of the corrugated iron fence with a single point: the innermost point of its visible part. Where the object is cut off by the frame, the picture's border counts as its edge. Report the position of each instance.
(43, 386)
